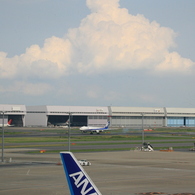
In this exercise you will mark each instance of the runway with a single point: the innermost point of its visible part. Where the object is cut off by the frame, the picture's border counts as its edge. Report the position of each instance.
(114, 173)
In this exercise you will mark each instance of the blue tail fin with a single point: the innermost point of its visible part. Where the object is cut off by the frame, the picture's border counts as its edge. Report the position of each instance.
(78, 181)
(107, 125)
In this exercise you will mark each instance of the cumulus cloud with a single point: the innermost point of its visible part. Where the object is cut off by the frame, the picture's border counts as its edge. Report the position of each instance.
(109, 38)
(113, 39)
(51, 61)
(174, 62)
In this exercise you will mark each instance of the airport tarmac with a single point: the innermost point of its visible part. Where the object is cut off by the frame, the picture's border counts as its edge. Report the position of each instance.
(114, 173)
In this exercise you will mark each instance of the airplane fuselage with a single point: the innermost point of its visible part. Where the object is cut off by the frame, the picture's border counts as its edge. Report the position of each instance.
(6, 124)
(94, 129)
(91, 128)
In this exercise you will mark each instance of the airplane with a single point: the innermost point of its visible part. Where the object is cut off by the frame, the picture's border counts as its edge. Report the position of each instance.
(62, 125)
(7, 125)
(78, 181)
(94, 129)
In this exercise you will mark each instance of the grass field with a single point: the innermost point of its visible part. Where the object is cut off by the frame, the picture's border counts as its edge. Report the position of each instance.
(59, 137)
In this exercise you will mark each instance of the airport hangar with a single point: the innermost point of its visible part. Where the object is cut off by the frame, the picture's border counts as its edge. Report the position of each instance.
(127, 117)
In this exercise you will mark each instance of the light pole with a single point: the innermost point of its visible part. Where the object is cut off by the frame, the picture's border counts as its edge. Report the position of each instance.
(69, 133)
(142, 128)
(2, 157)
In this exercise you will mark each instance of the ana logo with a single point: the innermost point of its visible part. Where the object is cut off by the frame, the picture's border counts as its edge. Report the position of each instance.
(79, 181)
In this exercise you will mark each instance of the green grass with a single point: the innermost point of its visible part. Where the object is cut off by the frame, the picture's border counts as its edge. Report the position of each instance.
(33, 139)
(90, 138)
(94, 138)
(107, 139)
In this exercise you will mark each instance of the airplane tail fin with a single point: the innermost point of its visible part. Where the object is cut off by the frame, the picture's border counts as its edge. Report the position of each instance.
(107, 125)
(9, 122)
(67, 122)
(78, 181)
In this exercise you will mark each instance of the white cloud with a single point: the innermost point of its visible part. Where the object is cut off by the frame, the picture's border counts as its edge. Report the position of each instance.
(108, 39)
(112, 39)
(174, 62)
(51, 61)
(8, 66)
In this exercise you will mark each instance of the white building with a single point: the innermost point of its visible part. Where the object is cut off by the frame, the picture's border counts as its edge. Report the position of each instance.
(130, 117)
(15, 112)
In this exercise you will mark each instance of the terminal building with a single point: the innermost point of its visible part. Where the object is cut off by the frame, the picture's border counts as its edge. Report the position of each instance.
(127, 117)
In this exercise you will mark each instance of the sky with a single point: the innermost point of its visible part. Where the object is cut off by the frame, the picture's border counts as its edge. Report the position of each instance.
(132, 53)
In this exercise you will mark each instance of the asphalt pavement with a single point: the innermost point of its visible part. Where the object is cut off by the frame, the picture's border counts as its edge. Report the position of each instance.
(114, 173)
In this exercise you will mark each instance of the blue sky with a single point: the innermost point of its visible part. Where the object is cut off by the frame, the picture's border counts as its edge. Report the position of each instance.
(97, 53)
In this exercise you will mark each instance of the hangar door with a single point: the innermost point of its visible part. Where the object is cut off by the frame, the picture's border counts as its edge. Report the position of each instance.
(16, 120)
(58, 120)
(78, 121)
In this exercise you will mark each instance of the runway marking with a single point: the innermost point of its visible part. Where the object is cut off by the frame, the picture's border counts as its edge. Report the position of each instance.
(28, 172)
(171, 169)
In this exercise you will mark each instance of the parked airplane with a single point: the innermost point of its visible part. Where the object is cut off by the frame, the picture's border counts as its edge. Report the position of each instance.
(7, 125)
(94, 129)
(62, 125)
(78, 181)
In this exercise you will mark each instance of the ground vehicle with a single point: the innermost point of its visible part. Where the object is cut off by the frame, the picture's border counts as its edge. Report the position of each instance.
(84, 163)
